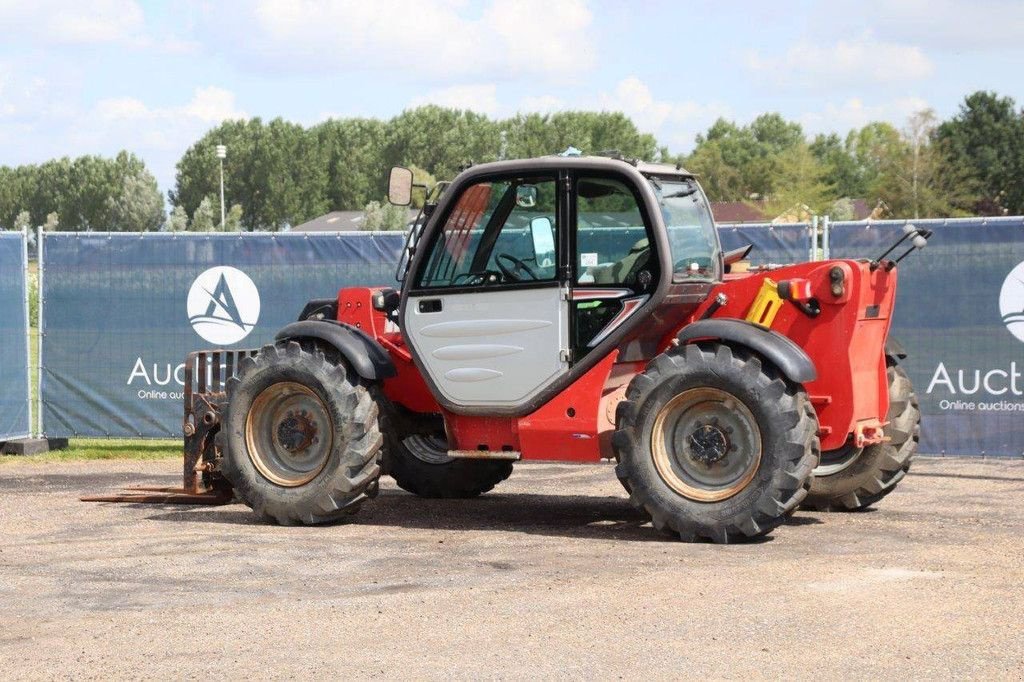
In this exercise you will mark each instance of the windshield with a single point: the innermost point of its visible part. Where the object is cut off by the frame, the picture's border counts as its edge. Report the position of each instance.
(691, 230)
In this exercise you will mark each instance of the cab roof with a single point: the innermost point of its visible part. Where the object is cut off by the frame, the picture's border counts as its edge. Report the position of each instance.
(555, 161)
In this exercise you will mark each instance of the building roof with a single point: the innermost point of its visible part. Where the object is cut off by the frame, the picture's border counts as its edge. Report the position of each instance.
(738, 212)
(341, 221)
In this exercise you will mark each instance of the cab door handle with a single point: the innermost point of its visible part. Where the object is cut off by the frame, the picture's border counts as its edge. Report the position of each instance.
(430, 305)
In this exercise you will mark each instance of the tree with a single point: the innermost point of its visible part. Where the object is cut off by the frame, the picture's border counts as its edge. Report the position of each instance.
(721, 180)
(353, 148)
(751, 152)
(22, 222)
(52, 223)
(233, 219)
(385, 216)
(177, 221)
(204, 219)
(83, 191)
(276, 171)
(139, 207)
(986, 140)
(421, 177)
(841, 170)
(913, 175)
(799, 182)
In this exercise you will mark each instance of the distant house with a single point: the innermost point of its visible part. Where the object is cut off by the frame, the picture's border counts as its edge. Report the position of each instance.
(341, 221)
(738, 212)
(754, 212)
(335, 221)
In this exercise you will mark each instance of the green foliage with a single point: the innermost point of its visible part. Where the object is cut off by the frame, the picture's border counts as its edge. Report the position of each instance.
(139, 207)
(421, 177)
(385, 216)
(741, 162)
(282, 173)
(205, 219)
(276, 171)
(33, 299)
(88, 193)
(986, 140)
(177, 221)
(233, 219)
(23, 221)
(799, 182)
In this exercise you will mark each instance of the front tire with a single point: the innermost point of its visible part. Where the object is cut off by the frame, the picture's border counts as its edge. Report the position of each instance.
(299, 439)
(852, 479)
(714, 443)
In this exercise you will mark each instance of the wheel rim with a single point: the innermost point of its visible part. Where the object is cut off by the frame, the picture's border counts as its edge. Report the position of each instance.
(429, 449)
(289, 434)
(706, 444)
(834, 461)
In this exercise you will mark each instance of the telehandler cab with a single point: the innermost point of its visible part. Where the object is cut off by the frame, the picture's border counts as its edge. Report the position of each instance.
(571, 309)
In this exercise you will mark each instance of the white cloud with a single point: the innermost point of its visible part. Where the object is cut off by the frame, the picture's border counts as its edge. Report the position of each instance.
(674, 123)
(83, 24)
(847, 63)
(854, 113)
(442, 39)
(480, 98)
(980, 25)
(160, 135)
(541, 104)
(64, 23)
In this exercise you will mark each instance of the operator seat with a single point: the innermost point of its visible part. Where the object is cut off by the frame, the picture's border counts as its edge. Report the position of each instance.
(623, 270)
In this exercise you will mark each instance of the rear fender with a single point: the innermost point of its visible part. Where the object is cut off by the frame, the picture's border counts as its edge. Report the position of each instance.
(363, 353)
(790, 358)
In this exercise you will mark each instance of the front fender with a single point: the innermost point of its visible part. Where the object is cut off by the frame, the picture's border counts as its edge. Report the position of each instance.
(781, 351)
(363, 353)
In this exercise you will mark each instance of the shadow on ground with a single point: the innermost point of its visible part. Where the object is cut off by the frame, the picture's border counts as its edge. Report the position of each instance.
(569, 516)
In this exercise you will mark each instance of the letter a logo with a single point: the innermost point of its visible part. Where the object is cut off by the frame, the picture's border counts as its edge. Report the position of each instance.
(223, 305)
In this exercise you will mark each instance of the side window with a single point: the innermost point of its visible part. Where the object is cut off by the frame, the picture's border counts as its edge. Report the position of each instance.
(499, 232)
(612, 244)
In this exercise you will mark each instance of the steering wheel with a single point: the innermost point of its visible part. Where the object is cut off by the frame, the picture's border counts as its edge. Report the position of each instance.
(518, 267)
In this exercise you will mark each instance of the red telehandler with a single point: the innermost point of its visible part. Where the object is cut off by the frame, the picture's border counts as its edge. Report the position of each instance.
(571, 309)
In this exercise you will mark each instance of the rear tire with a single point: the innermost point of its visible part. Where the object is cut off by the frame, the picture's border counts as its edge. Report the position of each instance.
(852, 479)
(714, 443)
(299, 439)
(420, 465)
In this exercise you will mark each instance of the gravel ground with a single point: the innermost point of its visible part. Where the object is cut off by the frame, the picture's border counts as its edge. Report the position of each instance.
(552, 576)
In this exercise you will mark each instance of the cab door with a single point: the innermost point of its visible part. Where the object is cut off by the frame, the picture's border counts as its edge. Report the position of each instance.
(487, 315)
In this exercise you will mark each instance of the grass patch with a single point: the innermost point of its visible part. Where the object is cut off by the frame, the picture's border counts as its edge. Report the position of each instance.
(102, 448)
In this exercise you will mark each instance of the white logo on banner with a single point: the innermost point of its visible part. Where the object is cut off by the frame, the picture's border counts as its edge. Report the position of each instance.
(1011, 301)
(223, 305)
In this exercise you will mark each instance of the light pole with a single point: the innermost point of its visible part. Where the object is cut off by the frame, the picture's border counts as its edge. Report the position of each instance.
(222, 151)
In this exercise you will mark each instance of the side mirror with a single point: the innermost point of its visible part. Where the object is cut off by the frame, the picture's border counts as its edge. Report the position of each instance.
(543, 241)
(400, 186)
(526, 196)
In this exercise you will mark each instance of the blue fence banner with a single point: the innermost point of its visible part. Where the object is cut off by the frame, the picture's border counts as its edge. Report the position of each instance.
(773, 244)
(960, 316)
(15, 396)
(121, 311)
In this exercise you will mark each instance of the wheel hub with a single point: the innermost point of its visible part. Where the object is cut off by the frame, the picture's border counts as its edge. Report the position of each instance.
(708, 444)
(296, 432)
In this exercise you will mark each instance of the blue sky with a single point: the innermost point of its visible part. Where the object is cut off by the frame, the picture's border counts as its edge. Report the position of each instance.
(151, 77)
